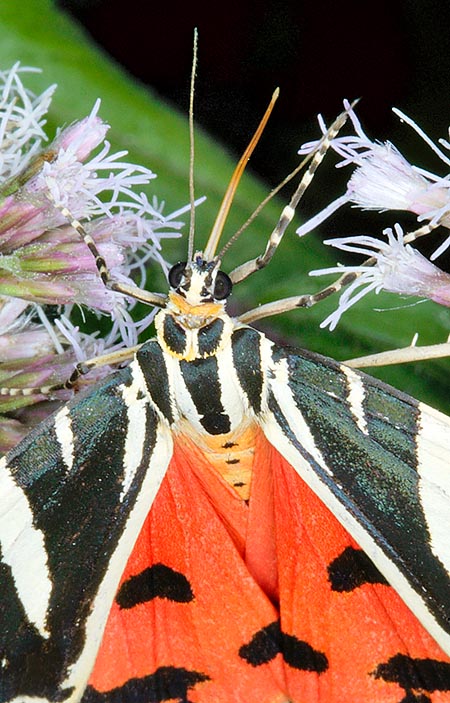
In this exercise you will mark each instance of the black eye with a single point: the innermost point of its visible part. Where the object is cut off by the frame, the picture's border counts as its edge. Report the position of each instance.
(176, 274)
(222, 286)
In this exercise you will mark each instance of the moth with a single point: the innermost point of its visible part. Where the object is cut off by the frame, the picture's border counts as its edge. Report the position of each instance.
(226, 520)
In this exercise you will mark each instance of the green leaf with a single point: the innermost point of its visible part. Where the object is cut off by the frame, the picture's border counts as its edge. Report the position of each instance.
(156, 135)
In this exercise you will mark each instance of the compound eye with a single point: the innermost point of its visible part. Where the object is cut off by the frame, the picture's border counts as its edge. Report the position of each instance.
(222, 286)
(176, 274)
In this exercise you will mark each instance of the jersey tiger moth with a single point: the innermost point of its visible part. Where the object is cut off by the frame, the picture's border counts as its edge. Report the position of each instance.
(227, 521)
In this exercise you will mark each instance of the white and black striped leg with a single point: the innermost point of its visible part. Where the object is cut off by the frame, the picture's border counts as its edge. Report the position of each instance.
(115, 358)
(119, 287)
(425, 229)
(306, 300)
(244, 270)
(81, 369)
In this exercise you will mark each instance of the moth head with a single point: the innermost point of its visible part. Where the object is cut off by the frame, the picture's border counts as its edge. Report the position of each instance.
(199, 281)
(194, 323)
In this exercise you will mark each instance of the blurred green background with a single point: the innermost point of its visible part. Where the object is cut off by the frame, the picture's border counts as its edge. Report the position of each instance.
(136, 57)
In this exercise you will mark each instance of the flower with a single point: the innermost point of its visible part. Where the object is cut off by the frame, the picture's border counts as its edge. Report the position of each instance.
(397, 268)
(36, 353)
(49, 194)
(43, 258)
(42, 189)
(22, 118)
(383, 179)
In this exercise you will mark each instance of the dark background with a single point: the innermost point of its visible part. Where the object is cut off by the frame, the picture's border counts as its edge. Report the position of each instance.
(388, 53)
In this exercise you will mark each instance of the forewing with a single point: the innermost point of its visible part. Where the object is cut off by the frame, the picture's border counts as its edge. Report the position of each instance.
(379, 460)
(73, 497)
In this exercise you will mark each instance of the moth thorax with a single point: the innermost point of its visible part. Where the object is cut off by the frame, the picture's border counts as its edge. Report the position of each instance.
(186, 337)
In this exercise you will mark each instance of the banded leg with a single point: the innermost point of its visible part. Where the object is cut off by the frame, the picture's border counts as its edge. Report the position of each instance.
(307, 300)
(81, 369)
(245, 270)
(119, 287)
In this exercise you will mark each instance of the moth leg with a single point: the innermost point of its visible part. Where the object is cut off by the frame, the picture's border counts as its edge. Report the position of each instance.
(80, 369)
(245, 270)
(401, 355)
(119, 287)
(307, 300)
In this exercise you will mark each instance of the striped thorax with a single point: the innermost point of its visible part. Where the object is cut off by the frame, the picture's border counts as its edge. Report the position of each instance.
(194, 324)
(195, 333)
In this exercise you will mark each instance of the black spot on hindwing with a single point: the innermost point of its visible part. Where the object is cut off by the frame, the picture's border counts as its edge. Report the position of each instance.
(351, 569)
(415, 674)
(300, 655)
(157, 581)
(264, 645)
(168, 683)
(270, 641)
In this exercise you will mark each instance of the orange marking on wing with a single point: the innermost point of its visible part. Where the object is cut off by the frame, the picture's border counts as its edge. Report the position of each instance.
(357, 630)
(185, 532)
(249, 564)
(227, 455)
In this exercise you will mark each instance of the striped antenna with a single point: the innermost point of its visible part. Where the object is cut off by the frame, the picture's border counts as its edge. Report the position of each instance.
(216, 231)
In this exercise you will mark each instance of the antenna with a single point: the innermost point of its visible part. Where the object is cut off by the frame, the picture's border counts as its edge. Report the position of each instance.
(262, 205)
(191, 149)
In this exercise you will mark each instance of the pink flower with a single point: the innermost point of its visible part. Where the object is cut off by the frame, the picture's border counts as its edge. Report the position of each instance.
(398, 268)
(44, 189)
(383, 179)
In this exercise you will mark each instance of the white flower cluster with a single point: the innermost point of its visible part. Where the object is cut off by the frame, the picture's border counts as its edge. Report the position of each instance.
(383, 179)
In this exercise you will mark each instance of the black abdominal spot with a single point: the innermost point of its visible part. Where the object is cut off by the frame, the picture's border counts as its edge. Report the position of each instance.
(232, 461)
(351, 569)
(157, 581)
(168, 683)
(415, 674)
(270, 641)
(228, 445)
